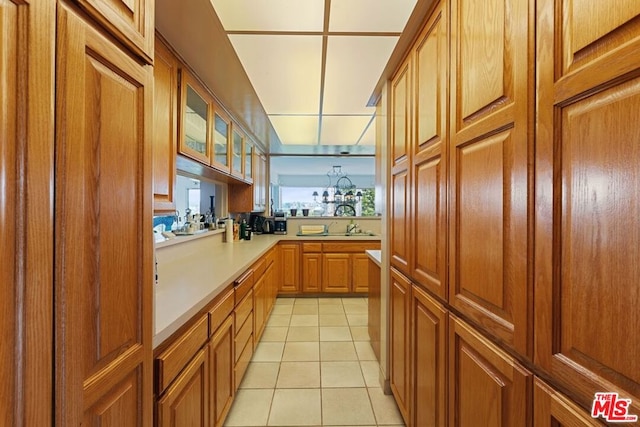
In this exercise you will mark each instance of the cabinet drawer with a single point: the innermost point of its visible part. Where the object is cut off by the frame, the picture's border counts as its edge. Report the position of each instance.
(259, 268)
(243, 310)
(243, 363)
(244, 336)
(312, 247)
(219, 313)
(243, 285)
(270, 257)
(172, 360)
(349, 246)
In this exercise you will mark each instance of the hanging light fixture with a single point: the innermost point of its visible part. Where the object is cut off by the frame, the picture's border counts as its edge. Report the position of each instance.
(343, 192)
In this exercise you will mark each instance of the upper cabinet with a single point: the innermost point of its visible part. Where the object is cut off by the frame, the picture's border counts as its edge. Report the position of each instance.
(237, 147)
(221, 138)
(248, 160)
(165, 128)
(131, 21)
(195, 139)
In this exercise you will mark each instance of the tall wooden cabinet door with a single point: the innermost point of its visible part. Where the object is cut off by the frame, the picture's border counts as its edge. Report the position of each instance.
(104, 247)
(221, 363)
(489, 190)
(290, 267)
(587, 186)
(26, 204)
(429, 189)
(400, 243)
(400, 341)
(401, 102)
(132, 21)
(360, 273)
(312, 272)
(487, 387)
(259, 308)
(165, 128)
(336, 273)
(552, 409)
(186, 402)
(428, 360)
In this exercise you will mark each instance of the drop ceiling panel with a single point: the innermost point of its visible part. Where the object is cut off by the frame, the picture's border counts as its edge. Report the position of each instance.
(343, 130)
(271, 15)
(354, 65)
(296, 130)
(370, 15)
(284, 70)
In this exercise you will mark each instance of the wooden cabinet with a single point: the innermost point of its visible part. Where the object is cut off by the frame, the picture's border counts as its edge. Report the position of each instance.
(186, 402)
(429, 157)
(221, 364)
(311, 267)
(260, 291)
(399, 341)
(375, 306)
(237, 152)
(587, 176)
(489, 174)
(243, 314)
(221, 139)
(360, 273)
(104, 274)
(245, 197)
(336, 273)
(487, 387)
(131, 21)
(195, 119)
(248, 160)
(552, 409)
(165, 127)
(289, 267)
(428, 360)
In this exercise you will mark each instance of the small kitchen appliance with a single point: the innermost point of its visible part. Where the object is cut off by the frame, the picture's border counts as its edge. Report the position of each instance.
(280, 223)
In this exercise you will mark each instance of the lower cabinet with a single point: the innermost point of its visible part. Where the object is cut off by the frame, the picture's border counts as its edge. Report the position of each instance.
(552, 409)
(289, 268)
(428, 360)
(336, 273)
(260, 309)
(360, 273)
(487, 387)
(186, 401)
(399, 339)
(221, 364)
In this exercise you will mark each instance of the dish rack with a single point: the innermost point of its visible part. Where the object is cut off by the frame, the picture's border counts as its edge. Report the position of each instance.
(313, 230)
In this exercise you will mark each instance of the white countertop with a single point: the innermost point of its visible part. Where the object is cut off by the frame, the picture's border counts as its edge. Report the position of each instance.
(375, 255)
(193, 272)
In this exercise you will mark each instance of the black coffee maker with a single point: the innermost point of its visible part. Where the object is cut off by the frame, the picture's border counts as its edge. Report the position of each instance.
(280, 223)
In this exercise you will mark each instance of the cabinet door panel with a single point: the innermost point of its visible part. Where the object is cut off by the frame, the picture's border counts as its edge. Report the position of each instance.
(221, 364)
(401, 115)
(399, 340)
(165, 128)
(104, 273)
(132, 21)
(186, 402)
(289, 268)
(360, 268)
(552, 409)
(312, 272)
(336, 273)
(587, 181)
(476, 364)
(400, 220)
(429, 356)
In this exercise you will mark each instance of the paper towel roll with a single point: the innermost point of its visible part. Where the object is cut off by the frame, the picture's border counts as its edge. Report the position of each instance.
(228, 230)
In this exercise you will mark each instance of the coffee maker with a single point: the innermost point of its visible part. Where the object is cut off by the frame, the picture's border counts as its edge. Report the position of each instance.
(280, 223)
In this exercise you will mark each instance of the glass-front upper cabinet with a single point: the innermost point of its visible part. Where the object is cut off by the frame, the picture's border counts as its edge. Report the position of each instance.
(237, 142)
(195, 102)
(248, 160)
(221, 134)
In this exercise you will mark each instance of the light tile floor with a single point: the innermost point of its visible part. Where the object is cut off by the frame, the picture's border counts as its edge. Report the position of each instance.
(314, 367)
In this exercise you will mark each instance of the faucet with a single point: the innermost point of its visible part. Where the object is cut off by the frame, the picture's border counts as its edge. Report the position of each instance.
(351, 228)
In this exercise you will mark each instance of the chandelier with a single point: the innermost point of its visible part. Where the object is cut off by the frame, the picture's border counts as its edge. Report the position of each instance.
(341, 192)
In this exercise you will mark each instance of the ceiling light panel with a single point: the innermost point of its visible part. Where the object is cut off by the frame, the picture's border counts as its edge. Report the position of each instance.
(370, 15)
(271, 15)
(369, 137)
(342, 130)
(296, 130)
(284, 70)
(354, 65)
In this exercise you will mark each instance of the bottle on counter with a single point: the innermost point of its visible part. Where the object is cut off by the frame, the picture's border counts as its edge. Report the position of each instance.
(243, 229)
